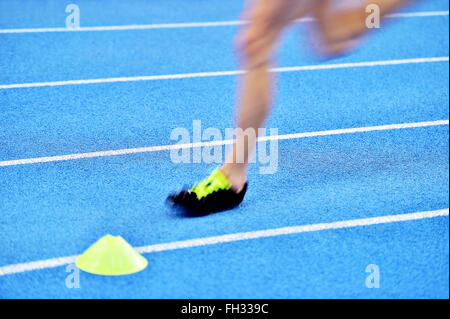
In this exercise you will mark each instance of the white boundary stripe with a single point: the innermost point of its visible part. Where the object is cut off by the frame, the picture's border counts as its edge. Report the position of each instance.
(355, 130)
(193, 24)
(417, 14)
(127, 27)
(226, 73)
(206, 241)
(126, 151)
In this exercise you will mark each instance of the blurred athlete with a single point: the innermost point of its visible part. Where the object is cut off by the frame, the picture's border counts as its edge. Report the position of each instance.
(339, 31)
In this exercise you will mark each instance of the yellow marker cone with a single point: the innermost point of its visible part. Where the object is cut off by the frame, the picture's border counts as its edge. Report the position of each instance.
(111, 256)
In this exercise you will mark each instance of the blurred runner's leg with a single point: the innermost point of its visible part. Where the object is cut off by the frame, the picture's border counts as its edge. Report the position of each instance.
(255, 45)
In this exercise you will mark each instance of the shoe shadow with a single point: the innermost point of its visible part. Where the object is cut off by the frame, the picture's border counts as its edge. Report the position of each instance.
(181, 212)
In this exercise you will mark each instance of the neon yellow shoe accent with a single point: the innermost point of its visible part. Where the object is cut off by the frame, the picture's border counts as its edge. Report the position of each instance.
(214, 182)
(111, 256)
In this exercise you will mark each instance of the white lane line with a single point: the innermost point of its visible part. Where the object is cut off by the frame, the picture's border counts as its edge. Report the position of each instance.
(194, 24)
(417, 14)
(226, 73)
(215, 240)
(128, 27)
(126, 151)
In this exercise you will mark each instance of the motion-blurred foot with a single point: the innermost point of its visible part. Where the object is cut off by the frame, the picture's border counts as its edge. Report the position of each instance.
(211, 195)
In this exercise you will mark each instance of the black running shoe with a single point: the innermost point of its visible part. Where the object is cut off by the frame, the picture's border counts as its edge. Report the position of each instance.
(213, 194)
